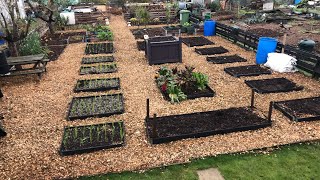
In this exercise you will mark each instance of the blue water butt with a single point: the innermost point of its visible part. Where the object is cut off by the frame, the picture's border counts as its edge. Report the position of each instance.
(266, 45)
(297, 1)
(209, 28)
(2, 41)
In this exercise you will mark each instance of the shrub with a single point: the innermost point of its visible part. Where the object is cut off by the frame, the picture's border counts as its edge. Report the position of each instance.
(214, 6)
(31, 45)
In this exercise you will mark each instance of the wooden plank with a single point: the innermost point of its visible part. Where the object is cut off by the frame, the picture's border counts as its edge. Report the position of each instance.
(24, 72)
(24, 59)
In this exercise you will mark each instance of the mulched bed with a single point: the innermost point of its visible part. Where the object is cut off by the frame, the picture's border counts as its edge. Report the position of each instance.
(95, 106)
(76, 39)
(98, 59)
(84, 139)
(251, 70)
(99, 69)
(151, 32)
(62, 38)
(175, 127)
(211, 50)
(55, 51)
(196, 41)
(141, 45)
(273, 85)
(307, 109)
(94, 85)
(192, 93)
(99, 48)
(226, 59)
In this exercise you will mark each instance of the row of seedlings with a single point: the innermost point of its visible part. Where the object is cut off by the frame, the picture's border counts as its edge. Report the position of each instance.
(87, 138)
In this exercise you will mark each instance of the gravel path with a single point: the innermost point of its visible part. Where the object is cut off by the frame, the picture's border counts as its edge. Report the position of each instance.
(35, 114)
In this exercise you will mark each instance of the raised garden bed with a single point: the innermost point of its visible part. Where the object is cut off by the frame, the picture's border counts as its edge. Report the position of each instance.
(94, 85)
(194, 125)
(99, 48)
(95, 106)
(84, 139)
(211, 50)
(172, 30)
(251, 70)
(163, 49)
(76, 39)
(226, 59)
(141, 45)
(184, 84)
(99, 69)
(307, 109)
(151, 32)
(273, 85)
(55, 51)
(196, 41)
(99, 59)
(2, 131)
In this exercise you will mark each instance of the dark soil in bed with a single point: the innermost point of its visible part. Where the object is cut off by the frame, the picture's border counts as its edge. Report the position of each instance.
(251, 70)
(226, 59)
(151, 32)
(211, 50)
(273, 85)
(162, 39)
(196, 41)
(175, 127)
(141, 45)
(55, 51)
(306, 109)
(265, 32)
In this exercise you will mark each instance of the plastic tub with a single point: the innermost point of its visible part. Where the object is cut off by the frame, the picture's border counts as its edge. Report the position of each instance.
(266, 45)
(209, 28)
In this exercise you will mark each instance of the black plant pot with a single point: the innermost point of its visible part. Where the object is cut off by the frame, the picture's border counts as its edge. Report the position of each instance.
(4, 68)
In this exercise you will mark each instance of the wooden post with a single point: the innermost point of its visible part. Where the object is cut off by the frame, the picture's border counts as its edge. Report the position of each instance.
(270, 111)
(148, 109)
(284, 42)
(1, 95)
(252, 99)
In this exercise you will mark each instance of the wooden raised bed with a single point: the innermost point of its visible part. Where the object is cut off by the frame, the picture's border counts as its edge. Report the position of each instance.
(251, 70)
(84, 139)
(225, 59)
(95, 106)
(307, 109)
(99, 69)
(99, 48)
(95, 85)
(165, 49)
(99, 59)
(171, 128)
(274, 85)
(211, 50)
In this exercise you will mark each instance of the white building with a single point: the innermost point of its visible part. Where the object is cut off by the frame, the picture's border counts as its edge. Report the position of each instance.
(5, 11)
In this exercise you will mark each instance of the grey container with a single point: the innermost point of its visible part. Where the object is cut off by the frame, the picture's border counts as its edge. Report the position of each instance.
(163, 49)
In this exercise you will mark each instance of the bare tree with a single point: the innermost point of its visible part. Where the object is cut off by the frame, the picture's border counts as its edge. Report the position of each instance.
(44, 11)
(15, 27)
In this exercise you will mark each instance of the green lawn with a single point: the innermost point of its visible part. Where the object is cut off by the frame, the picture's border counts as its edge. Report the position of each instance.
(299, 161)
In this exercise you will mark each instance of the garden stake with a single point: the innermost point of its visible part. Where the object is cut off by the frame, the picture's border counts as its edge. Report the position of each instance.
(252, 99)
(148, 109)
(270, 111)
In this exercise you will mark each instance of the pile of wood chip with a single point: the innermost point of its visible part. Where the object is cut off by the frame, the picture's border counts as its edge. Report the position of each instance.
(35, 113)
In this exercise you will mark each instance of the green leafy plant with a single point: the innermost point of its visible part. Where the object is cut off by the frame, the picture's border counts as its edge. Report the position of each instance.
(105, 35)
(201, 80)
(186, 24)
(175, 93)
(31, 45)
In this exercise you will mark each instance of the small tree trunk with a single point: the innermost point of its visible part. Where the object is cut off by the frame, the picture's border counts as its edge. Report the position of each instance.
(51, 28)
(14, 52)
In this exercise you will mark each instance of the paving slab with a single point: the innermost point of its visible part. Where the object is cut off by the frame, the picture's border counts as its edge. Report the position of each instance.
(210, 174)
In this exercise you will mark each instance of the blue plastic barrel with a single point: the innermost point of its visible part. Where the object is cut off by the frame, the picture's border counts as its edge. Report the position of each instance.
(297, 1)
(266, 45)
(209, 28)
(2, 41)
